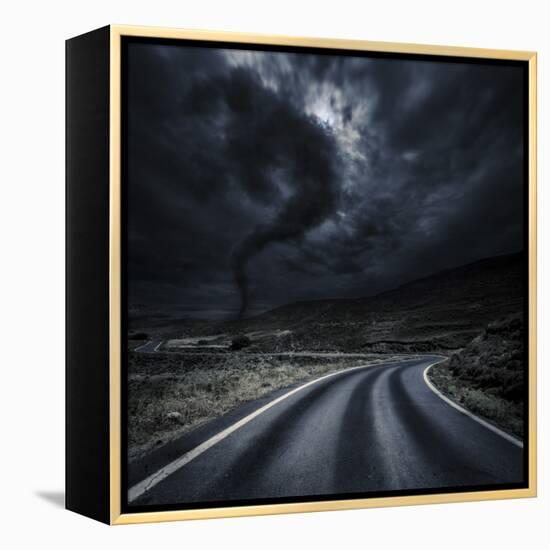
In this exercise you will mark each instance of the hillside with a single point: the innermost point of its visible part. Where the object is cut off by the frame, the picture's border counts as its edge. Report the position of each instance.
(444, 311)
(487, 376)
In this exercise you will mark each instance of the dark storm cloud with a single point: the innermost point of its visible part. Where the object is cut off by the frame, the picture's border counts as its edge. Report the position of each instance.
(271, 150)
(261, 178)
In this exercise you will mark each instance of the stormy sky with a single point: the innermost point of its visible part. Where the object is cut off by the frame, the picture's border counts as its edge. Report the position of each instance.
(260, 178)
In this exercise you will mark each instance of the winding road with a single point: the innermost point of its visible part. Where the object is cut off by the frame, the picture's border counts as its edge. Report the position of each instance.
(151, 346)
(368, 429)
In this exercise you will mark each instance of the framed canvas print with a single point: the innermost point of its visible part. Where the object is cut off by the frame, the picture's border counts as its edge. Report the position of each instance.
(300, 274)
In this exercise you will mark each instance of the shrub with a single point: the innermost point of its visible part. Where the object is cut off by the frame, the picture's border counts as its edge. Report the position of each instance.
(240, 342)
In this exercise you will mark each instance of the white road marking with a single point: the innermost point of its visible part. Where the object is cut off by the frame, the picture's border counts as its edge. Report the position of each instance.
(149, 482)
(158, 346)
(479, 420)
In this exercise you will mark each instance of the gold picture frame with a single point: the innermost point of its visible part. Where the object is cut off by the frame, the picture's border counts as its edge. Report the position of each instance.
(116, 34)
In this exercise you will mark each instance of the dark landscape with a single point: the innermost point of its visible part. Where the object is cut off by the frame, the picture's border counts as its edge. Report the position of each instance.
(201, 370)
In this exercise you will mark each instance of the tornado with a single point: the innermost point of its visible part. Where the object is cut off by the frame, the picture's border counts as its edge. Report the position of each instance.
(270, 141)
(314, 199)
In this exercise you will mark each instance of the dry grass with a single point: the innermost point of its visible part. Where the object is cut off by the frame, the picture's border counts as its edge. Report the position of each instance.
(486, 377)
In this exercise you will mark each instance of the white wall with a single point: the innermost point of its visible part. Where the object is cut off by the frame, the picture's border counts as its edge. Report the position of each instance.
(32, 255)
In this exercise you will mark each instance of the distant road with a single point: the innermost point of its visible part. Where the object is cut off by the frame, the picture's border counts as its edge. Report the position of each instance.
(378, 428)
(149, 347)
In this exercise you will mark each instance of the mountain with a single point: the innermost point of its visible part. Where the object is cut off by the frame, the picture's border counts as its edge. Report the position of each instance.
(444, 311)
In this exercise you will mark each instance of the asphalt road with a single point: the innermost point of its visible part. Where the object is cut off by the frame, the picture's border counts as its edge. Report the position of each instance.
(379, 428)
(149, 347)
